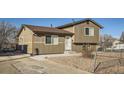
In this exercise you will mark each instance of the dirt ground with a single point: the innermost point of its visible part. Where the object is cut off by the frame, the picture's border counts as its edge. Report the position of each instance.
(105, 56)
(112, 70)
(74, 61)
(109, 62)
(62, 64)
(30, 66)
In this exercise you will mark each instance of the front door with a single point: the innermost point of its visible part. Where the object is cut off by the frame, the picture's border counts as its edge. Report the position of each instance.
(68, 43)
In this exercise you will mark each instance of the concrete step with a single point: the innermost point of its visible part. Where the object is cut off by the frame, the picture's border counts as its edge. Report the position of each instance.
(69, 52)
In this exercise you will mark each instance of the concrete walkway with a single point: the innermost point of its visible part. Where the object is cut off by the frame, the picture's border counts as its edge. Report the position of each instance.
(8, 58)
(44, 57)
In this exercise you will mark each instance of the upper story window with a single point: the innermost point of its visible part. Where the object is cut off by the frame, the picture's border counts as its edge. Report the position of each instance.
(89, 31)
(52, 39)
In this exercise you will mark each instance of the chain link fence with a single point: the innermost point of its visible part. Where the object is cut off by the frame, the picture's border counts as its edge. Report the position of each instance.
(109, 63)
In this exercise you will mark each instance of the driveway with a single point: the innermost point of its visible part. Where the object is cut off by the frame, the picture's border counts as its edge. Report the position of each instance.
(30, 66)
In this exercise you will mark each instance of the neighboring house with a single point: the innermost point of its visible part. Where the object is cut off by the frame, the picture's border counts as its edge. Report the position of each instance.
(116, 42)
(116, 45)
(42, 40)
(69, 37)
(86, 34)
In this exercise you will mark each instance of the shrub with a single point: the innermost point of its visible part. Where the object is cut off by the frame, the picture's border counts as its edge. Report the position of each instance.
(87, 53)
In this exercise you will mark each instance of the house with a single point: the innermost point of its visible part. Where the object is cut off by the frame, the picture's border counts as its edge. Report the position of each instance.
(42, 40)
(74, 36)
(116, 42)
(86, 34)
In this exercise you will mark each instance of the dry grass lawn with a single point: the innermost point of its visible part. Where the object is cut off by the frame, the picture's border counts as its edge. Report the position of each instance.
(109, 62)
(74, 61)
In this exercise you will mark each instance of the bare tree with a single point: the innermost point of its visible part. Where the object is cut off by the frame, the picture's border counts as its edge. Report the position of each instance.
(8, 33)
(122, 37)
(106, 41)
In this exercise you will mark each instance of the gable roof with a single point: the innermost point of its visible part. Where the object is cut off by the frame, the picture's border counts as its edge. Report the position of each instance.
(78, 22)
(42, 29)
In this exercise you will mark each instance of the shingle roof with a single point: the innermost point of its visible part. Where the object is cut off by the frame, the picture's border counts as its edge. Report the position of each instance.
(42, 29)
(78, 22)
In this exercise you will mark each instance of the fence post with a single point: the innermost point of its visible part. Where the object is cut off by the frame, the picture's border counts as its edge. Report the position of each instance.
(119, 63)
(95, 57)
(120, 57)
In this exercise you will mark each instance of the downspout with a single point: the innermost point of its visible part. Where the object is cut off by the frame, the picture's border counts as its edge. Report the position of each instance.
(32, 45)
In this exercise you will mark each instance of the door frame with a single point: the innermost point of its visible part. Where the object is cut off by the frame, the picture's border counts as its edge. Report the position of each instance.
(68, 49)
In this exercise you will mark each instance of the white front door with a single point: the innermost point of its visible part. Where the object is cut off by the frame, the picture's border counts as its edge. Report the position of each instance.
(68, 43)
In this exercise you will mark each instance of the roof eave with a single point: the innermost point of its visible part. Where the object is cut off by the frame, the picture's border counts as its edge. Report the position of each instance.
(38, 32)
(81, 21)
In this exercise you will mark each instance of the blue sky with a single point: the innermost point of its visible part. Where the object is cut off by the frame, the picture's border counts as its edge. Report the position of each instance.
(113, 26)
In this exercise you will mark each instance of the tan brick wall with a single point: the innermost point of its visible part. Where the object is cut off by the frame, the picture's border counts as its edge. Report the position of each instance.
(70, 29)
(39, 43)
(25, 38)
(79, 36)
(77, 48)
(79, 33)
(80, 48)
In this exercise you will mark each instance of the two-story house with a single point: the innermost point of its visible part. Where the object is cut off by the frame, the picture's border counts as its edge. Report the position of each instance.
(69, 37)
(86, 34)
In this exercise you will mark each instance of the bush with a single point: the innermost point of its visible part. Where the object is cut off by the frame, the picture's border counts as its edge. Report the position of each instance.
(87, 53)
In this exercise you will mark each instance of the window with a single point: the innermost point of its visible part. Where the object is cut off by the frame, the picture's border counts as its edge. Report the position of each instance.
(86, 31)
(55, 39)
(48, 40)
(52, 39)
(89, 31)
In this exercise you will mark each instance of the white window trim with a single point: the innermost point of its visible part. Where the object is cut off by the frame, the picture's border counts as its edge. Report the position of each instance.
(57, 39)
(89, 32)
(51, 39)
(45, 40)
